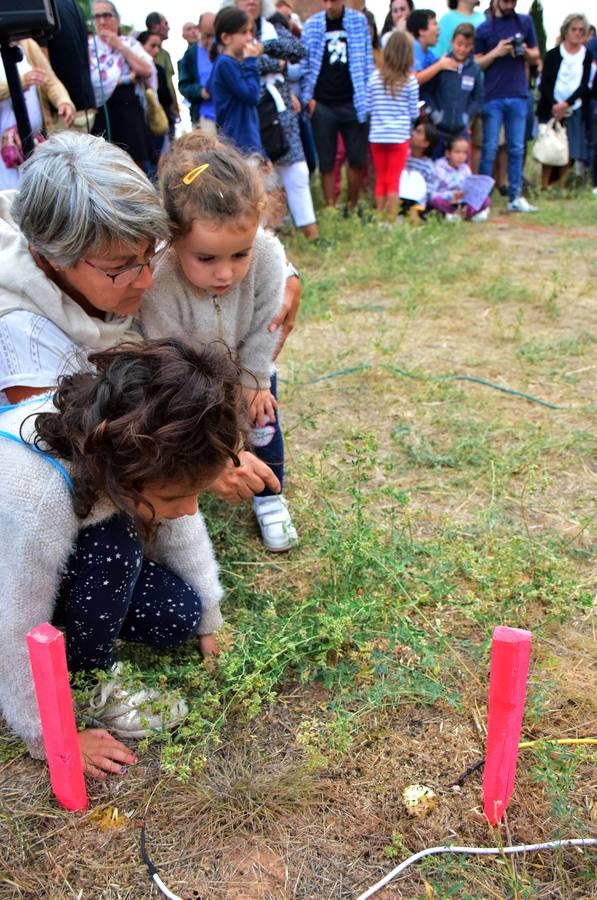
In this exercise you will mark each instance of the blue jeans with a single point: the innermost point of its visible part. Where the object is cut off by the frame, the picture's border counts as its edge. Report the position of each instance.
(512, 112)
(267, 444)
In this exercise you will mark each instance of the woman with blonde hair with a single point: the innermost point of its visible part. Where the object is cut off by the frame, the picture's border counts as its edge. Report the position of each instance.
(393, 105)
(564, 91)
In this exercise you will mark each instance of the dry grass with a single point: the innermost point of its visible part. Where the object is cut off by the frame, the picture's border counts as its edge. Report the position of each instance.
(266, 818)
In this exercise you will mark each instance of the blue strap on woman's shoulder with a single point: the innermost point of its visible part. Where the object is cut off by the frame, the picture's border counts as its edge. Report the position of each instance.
(19, 440)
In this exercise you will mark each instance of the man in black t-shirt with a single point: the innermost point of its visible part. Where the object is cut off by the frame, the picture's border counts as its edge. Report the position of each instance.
(334, 87)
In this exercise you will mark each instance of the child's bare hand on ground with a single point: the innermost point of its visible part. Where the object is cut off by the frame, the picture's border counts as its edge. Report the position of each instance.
(237, 483)
(208, 645)
(262, 405)
(102, 753)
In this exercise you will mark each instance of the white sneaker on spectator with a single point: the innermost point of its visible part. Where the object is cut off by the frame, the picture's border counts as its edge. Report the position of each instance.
(481, 216)
(521, 204)
(130, 713)
(595, 192)
(277, 531)
(453, 217)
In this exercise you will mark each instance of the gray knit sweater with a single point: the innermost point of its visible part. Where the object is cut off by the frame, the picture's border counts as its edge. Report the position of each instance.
(173, 307)
(38, 529)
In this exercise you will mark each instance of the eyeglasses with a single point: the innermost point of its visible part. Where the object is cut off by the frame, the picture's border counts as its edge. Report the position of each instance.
(106, 15)
(129, 274)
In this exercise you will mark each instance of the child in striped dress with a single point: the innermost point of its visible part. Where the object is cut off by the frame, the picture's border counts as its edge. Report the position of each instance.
(392, 101)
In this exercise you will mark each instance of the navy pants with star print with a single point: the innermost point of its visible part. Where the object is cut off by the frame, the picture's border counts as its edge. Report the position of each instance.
(110, 591)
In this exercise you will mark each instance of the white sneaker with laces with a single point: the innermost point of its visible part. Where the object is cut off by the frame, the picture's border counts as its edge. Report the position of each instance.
(133, 714)
(521, 204)
(481, 216)
(277, 531)
(453, 217)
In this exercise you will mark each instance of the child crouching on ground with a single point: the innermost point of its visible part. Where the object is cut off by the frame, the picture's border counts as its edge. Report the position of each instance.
(223, 280)
(451, 173)
(99, 527)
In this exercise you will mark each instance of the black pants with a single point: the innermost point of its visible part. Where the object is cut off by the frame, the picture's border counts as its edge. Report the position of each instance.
(110, 591)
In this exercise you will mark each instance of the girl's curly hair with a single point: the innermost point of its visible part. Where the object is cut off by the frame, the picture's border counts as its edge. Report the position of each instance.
(154, 411)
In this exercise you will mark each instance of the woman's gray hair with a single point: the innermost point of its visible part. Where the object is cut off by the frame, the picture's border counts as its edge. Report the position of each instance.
(573, 17)
(79, 195)
(109, 3)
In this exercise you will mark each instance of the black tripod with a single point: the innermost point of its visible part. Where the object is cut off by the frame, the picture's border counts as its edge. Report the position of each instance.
(11, 55)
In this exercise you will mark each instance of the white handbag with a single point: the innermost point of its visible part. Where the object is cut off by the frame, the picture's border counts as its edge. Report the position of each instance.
(551, 146)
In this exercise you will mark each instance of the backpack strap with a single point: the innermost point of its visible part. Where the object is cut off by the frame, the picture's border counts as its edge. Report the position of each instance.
(16, 439)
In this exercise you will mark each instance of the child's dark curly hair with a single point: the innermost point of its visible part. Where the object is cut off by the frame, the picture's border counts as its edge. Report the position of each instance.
(154, 411)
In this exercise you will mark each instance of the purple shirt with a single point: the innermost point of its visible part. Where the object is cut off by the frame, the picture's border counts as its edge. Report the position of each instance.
(506, 76)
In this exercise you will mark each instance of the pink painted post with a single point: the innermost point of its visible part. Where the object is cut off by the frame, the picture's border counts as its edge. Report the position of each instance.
(510, 656)
(50, 676)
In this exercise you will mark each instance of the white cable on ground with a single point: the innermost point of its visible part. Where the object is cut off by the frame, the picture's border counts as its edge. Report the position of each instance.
(162, 887)
(475, 851)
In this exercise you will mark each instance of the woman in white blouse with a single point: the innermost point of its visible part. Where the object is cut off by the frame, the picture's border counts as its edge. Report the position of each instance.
(119, 65)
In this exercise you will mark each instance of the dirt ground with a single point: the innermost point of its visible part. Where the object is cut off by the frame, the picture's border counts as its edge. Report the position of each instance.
(259, 823)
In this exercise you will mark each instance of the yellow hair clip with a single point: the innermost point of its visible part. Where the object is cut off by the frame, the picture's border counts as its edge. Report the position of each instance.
(194, 173)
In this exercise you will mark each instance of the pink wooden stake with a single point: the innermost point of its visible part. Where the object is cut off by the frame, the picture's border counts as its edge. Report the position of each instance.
(510, 656)
(50, 676)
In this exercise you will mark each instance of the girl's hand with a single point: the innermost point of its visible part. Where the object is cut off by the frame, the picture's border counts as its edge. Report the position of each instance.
(458, 195)
(262, 405)
(237, 483)
(34, 77)
(208, 645)
(101, 753)
(252, 49)
(67, 114)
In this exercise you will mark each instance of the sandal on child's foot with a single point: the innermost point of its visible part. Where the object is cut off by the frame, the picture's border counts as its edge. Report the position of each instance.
(277, 531)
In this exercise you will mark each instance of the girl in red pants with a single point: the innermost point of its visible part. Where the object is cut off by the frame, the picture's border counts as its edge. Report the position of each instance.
(393, 104)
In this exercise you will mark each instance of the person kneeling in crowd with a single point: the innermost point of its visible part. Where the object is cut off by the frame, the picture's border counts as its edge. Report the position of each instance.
(99, 527)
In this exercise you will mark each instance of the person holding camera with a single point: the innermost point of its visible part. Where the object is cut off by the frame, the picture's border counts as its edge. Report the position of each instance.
(505, 44)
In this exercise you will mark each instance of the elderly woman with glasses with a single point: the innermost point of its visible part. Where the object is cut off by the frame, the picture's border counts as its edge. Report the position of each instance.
(118, 64)
(78, 245)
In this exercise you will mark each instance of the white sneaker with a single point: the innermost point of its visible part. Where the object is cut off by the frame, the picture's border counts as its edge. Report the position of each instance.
(453, 217)
(277, 531)
(135, 714)
(521, 204)
(481, 216)
(595, 192)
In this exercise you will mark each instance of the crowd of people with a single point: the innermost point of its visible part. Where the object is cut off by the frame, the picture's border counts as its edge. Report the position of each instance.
(323, 94)
(143, 303)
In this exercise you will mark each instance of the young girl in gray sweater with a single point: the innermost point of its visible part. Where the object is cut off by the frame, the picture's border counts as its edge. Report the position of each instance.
(223, 280)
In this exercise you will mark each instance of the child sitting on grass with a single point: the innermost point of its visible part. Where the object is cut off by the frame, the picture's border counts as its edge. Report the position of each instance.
(423, 139)
(451, 173)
